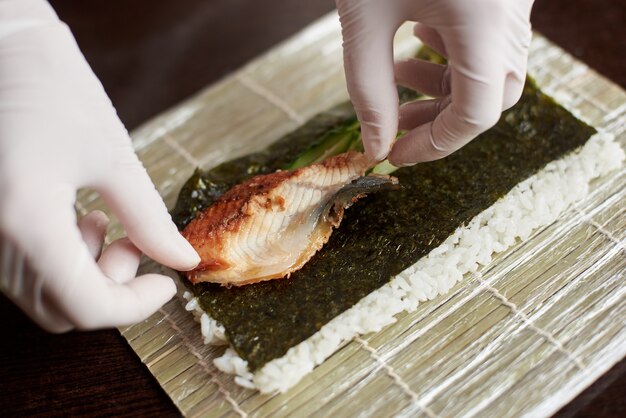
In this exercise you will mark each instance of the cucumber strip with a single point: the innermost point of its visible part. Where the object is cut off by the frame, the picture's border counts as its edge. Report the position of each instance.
(340, 139)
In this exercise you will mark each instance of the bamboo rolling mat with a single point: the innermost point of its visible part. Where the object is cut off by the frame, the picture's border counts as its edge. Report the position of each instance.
(546, 319)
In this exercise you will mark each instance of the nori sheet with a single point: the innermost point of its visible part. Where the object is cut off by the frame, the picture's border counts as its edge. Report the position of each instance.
(382, 234)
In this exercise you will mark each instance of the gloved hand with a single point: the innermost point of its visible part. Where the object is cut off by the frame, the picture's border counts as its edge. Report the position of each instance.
(59, 132)
(486, 43)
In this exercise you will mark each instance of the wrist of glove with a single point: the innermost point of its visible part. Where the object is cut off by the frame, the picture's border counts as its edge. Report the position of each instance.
(58, 133)
(486, 44)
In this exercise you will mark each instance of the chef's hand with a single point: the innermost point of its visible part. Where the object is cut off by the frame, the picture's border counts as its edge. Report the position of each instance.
(59, 132)
(486, 43)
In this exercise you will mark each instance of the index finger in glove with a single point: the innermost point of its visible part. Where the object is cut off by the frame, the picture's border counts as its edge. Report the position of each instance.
(132, 196)
(369, 69)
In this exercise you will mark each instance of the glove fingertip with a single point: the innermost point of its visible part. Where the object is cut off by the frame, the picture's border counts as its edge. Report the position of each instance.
(156, 290)
(165, 284)
(376, 141)
(165, 245)
(186, 257)
(149, 293)
(375, 153)
(412, 148)
(398, 161)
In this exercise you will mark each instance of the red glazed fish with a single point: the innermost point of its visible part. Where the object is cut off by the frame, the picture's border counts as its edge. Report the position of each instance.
(271, 225)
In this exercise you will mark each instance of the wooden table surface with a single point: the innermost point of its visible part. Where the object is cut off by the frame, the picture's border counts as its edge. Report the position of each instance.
(149, 56)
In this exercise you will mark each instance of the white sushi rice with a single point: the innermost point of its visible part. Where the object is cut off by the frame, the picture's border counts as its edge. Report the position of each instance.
(534, 203)
(212, 331)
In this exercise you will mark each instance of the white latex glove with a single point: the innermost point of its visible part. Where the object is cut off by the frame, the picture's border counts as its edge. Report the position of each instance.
(486, 43)
(59, 132)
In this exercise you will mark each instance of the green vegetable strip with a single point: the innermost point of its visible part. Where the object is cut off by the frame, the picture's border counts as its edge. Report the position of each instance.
(337, 141)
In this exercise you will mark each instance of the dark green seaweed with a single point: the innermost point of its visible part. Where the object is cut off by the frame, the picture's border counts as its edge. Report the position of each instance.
(381, 235)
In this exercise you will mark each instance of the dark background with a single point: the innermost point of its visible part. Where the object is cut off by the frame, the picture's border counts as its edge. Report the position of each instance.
(152, 54)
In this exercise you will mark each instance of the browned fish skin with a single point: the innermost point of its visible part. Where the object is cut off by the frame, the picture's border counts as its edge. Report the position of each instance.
(271, 225)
